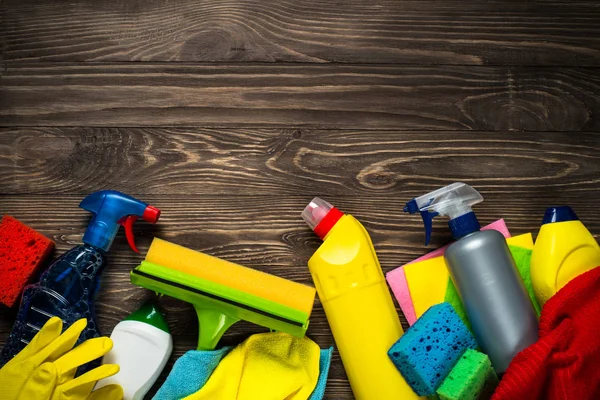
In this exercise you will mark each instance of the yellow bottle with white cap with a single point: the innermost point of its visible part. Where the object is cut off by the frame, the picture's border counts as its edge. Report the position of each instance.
(357, 302)
(563, 250)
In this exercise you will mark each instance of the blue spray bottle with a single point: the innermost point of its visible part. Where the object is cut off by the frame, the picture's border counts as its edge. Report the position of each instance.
(67, 289)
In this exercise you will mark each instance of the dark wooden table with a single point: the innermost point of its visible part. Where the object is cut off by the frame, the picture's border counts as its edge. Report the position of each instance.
(231, 115)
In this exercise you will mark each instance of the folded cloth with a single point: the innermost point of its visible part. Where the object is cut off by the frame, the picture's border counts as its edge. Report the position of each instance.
(324, 363)
(563, 363)
(190, 373)
(266, 366)
(399, 285)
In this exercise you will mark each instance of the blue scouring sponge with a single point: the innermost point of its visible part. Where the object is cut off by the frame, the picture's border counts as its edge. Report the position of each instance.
(428, 350)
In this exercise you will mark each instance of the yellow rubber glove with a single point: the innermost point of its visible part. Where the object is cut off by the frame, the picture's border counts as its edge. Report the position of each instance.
(45, 369)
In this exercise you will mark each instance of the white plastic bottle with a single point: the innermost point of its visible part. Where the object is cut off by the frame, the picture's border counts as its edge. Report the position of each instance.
(142, 345)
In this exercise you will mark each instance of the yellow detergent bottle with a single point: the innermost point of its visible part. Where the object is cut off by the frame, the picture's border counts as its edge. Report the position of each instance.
(563, 250)
(357, 303)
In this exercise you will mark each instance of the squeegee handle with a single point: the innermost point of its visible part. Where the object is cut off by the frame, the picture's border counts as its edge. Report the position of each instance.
(212, 324)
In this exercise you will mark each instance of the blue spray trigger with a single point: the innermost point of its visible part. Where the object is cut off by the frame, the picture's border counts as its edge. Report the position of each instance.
(454, 201)
(412, 207)
(428, 217)
(110, 209)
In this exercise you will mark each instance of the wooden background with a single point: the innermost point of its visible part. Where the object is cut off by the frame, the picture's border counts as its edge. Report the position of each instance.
(230, 115)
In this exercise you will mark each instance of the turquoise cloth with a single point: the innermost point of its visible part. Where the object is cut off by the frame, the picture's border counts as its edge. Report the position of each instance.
(190, 373)
(192, 370)
(324, 363)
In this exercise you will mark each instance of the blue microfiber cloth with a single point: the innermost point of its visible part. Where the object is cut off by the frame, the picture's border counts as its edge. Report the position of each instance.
(426, 353)
(324, 363)
(192, 370)
(190, 373)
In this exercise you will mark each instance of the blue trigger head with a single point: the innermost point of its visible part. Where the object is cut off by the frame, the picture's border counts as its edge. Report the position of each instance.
(109, 209)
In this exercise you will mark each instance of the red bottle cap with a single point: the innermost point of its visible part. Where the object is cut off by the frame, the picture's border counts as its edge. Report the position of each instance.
(321, 216)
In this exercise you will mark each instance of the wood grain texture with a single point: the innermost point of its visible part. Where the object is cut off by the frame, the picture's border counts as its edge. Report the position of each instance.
(350, 97)
(261, 232)
(293, 161)
(379, 31)
(231, 115)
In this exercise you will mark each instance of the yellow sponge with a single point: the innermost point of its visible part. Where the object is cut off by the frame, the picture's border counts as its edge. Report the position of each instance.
(267, 286)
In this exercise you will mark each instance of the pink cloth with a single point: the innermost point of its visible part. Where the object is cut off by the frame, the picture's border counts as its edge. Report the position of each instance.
(397, 278)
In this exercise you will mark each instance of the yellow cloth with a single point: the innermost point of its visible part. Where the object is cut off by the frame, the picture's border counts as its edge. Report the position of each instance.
(428, 280)
(45, 369)
(524, 241)
(268, 366)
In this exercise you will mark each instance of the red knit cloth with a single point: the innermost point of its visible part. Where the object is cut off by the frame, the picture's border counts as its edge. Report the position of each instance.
(565, 362)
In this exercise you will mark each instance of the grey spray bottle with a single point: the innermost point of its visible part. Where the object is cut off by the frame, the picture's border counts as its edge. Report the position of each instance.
(480, 263)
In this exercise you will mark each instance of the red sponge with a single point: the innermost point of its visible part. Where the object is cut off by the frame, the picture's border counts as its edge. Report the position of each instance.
(22, 252)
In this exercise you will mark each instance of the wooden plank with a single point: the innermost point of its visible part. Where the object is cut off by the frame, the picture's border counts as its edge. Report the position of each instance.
(335, 96)
(292, 161)
(376, 31)
(265, 233)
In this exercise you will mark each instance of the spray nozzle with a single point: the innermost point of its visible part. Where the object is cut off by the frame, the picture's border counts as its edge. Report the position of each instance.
(455, 201)
(111, 209)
